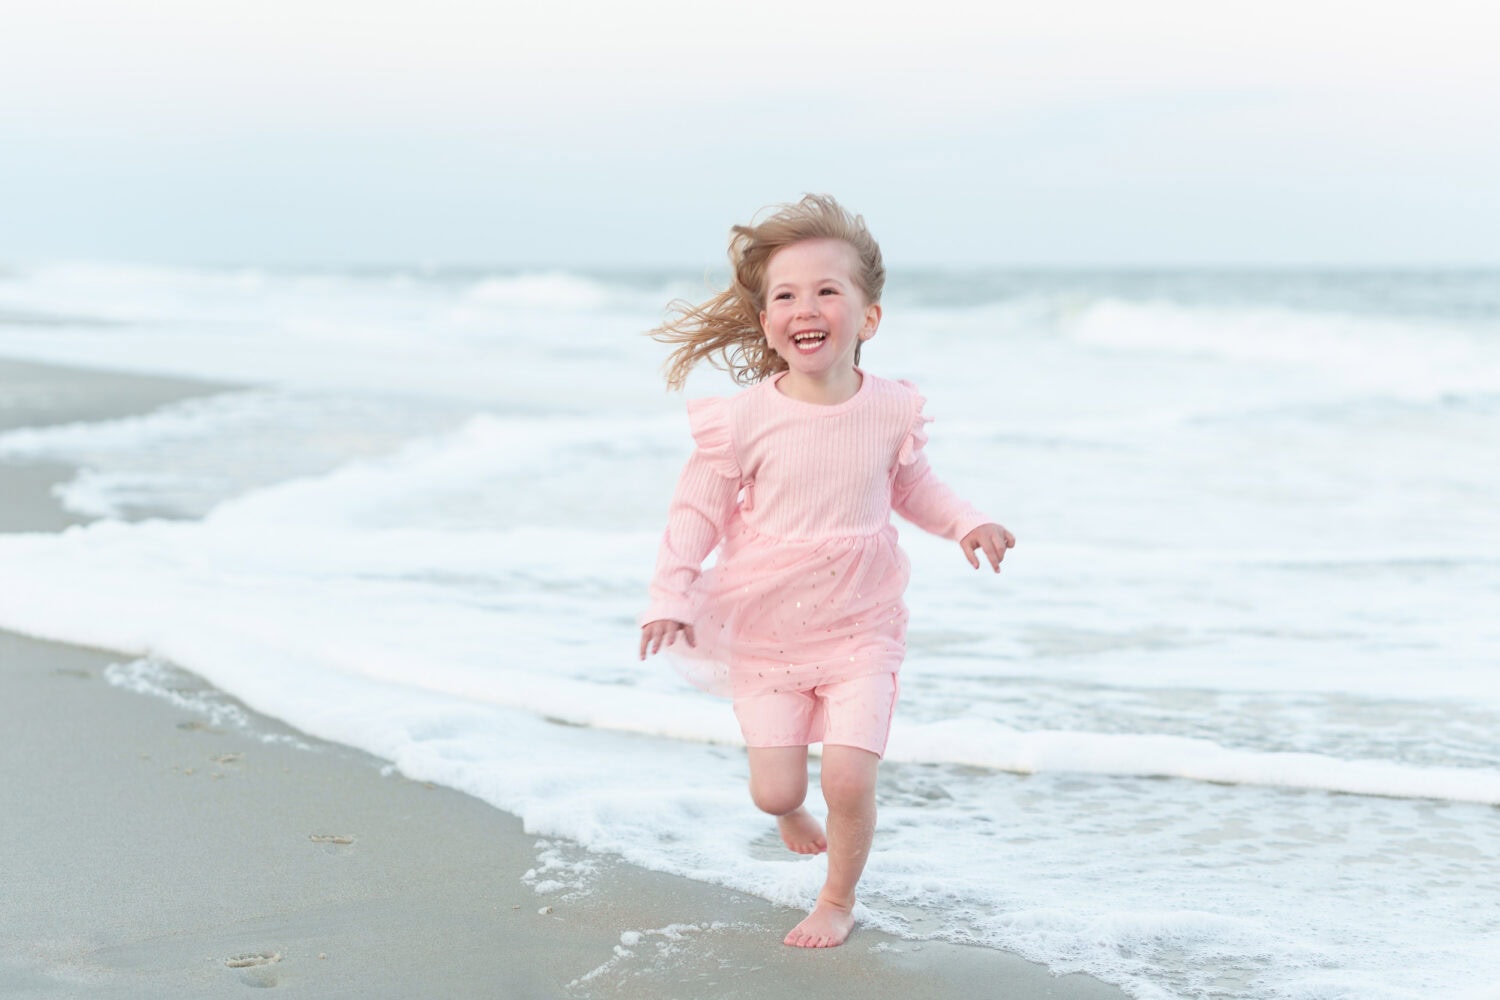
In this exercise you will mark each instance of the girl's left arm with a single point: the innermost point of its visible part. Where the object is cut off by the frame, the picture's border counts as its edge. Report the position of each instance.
(918, 495)
(992, 539)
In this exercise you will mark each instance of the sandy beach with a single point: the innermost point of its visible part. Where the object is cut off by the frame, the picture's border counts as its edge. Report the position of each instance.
(183, 845)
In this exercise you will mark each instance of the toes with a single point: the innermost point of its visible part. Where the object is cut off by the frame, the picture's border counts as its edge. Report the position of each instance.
(798, 938)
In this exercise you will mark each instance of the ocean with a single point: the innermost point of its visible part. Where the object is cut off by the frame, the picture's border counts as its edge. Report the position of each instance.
(1225, 725)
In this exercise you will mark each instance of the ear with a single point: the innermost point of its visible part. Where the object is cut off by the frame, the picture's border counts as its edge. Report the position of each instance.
(762, 322)
(872, 322)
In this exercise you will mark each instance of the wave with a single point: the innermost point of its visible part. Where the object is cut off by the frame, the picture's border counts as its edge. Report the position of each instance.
(117, 293)
(978, 743)
(559, 289)
(223, 608)
(1415, 360)
(457, 330)
(412, 587)
(193, 418)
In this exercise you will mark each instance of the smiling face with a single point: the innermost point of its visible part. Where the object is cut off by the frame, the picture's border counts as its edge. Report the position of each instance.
(815, 313)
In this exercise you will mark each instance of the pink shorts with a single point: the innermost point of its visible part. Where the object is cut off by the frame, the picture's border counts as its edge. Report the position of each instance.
(853, 713)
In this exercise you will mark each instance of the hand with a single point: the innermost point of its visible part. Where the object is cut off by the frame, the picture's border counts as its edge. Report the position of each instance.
(654, 633)
(992, 538)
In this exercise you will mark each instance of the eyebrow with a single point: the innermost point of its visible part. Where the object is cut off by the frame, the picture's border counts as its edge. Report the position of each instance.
(783, 284)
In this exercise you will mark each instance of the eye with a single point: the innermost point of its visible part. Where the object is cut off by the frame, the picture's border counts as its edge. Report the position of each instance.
(783, 295)
(828, 291)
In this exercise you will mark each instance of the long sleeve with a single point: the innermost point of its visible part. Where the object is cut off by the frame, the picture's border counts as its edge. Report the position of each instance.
(926, 501)
(706, 496)
(701, 507)
(918, 495)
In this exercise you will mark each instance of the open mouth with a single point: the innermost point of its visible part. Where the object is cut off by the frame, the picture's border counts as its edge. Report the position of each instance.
(809, 341)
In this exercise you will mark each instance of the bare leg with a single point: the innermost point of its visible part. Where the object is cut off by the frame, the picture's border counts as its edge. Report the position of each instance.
(778, 785)
(849, 789)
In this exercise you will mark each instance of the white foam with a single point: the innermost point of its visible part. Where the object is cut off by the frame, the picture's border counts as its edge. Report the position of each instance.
(118, 494)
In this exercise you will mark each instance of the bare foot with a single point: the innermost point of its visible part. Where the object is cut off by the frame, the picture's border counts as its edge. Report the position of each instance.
(827, 926)
(801, 833)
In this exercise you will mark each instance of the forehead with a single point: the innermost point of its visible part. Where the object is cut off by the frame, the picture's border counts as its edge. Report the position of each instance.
(812, 260)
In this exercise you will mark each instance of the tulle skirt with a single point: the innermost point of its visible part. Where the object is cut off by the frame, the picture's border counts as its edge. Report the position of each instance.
(777, 614)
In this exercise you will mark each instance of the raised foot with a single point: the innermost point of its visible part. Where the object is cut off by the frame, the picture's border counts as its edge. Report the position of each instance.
(801, 833)
(827, 926)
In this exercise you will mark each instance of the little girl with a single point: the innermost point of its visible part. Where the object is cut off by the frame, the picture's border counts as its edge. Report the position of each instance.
(801, 620)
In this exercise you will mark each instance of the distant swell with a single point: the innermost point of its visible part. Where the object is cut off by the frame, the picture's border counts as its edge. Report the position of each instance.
(1412, 359)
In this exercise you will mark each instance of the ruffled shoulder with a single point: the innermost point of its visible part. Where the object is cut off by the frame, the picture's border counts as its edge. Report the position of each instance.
(708, 419)
(916, 436)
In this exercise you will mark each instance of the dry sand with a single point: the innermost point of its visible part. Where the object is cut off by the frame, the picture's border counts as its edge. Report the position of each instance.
(189, 848)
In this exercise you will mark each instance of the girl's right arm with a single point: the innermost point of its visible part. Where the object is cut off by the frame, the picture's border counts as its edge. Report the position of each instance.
(706, 497)
(701, 507)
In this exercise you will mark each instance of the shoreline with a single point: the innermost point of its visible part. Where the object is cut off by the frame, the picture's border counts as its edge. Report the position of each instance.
(152, 847)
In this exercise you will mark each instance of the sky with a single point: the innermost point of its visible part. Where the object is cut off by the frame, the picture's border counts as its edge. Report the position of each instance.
(601, 134)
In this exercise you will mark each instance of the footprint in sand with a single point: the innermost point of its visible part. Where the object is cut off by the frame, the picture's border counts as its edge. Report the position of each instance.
(253, 959)
(255, 968)
(330, 838)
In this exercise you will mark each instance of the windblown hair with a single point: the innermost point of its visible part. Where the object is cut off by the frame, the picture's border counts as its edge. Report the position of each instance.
(725, 331)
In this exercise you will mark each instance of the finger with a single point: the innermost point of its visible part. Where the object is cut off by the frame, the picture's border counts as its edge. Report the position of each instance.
(990, 549)
(1010, 540)
(644, 639)
(656, 644)
(968, 550)
(687, 633)
(671, 636)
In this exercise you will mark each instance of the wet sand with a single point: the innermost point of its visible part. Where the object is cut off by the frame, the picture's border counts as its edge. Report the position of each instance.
(186, 846)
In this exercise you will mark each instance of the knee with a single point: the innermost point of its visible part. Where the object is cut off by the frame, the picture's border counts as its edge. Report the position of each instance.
(777, 797)
(847, 790)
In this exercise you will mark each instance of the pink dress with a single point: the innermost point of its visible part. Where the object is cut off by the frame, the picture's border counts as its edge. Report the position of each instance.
(807, 589)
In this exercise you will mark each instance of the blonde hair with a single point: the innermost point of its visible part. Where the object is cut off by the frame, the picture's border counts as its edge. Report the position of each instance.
(725, 331)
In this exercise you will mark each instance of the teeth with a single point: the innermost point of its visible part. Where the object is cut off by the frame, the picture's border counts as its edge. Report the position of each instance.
(802, 338)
